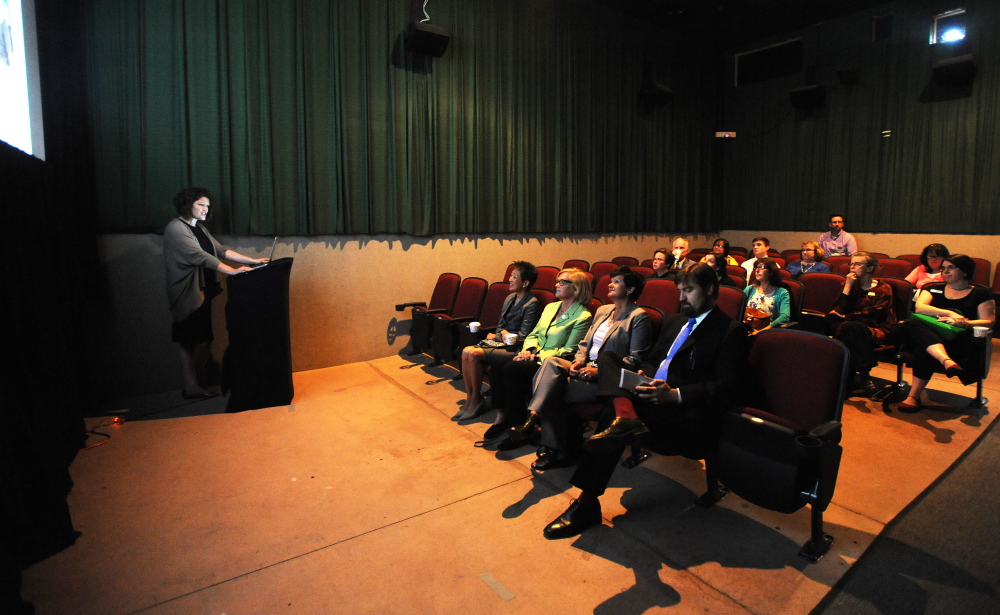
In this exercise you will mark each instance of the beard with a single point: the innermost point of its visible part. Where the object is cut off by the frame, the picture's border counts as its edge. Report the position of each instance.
(687, 309)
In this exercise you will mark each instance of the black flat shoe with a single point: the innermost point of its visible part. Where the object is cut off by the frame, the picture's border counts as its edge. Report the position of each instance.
(549, 460)
(205, 395)
(621, 432)
(578, 517)
(495, 431)
(954, 370)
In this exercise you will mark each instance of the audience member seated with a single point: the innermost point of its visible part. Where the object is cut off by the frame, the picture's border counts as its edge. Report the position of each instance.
(721, 251)
(760, 247)
(837, 241)
(768, 301)
(960, 305)
(696, 363)
(861, 317)
(719, 267)
(662, 259)
(620, 327)
(559, 331)
(518, 315)
(810, 261)
(930, 267)
(680, 252)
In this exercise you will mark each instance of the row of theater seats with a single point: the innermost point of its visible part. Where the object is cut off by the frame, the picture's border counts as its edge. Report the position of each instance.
(778, 451)
(898, 267)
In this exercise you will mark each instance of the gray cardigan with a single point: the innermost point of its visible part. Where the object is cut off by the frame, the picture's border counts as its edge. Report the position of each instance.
(185, 262)
(521, 317)
(630, 336)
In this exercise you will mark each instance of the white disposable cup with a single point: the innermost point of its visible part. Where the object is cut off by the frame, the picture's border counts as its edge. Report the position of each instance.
(510, 338)
(474, 326)
(980, 331)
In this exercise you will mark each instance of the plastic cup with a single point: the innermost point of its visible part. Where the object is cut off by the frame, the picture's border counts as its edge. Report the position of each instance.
(980, 331)
(510, 338)
(474, 326)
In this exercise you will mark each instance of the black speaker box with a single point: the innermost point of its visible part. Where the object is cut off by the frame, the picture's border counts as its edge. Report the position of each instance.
(954, 72)
(808, 97)
(425, 39)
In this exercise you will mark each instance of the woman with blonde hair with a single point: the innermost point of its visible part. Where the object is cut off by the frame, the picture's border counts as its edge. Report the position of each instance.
(810, 261)
(559, 331)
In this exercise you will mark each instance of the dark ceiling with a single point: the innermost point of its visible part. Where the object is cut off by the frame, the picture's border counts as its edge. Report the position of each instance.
(736, 22)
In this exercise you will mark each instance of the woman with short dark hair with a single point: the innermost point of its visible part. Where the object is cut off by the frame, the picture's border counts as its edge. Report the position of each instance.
(192, 257)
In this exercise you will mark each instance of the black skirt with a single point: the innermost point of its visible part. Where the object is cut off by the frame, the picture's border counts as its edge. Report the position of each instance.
(196, 328)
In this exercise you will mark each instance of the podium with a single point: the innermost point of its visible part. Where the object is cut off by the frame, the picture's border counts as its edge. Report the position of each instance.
(257, 365)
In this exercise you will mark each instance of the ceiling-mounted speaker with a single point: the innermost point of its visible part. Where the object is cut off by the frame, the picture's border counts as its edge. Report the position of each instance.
(808, 97)
(954, 72)
(425, 39)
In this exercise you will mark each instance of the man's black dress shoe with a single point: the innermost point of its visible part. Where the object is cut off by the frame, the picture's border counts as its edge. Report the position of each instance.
(620, 433)
(549, 459)
(495, 431)
(580, 515)
(867, 388)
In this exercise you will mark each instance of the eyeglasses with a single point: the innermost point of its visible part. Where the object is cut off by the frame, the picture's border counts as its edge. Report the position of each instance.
(563, 282)
(760, 266)
(934, 256)
(949, 268)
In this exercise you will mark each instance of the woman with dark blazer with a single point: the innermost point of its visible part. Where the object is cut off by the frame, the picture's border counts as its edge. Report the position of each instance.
(621, 327)
(518, 315)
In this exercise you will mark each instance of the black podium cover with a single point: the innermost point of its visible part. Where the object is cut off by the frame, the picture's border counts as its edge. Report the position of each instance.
(257, 365)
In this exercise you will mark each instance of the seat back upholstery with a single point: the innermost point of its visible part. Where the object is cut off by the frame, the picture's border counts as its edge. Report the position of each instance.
(594, 304)
(601, 287)
(508, 273)
(663, 295)
(795, 292)
(469, 299)
(982, 275)
(895, 267)
(791, 255)
(655, 318)
(582, 265)
(625, 261)
(643, 271)
(902, 296)
(647, 263)
(767, 394)
(544, 296)
(489, 315)
(913, 259)
(546, 277)
(834, 262)
(601, 268)
(736, 270)
(738, 281)
(821, 291)
(732, 301)
(445, 291)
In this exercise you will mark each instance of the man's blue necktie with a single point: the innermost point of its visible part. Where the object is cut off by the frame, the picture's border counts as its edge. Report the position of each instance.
(661, 373)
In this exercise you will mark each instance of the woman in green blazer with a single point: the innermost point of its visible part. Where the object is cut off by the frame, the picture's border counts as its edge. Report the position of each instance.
(560, 329)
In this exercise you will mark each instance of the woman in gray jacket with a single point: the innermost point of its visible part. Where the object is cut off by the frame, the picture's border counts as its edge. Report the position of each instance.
(621, 327)
(192, 257)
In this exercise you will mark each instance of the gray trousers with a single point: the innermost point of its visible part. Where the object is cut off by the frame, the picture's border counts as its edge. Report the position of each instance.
(554, 391)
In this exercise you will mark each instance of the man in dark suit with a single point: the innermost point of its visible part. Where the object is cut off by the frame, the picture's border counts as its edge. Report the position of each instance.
(696, 364)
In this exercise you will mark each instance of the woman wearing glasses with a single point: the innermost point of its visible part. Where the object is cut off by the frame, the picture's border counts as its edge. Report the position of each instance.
(560, 329)
(929, 270)
(810, 261)
(768, 301)
(960, 304)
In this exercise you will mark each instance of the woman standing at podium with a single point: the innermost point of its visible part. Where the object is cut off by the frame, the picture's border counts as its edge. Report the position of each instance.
(192, 257)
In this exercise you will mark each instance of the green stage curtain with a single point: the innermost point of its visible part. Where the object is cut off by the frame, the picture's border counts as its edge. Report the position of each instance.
(938, 169)
(307, 117)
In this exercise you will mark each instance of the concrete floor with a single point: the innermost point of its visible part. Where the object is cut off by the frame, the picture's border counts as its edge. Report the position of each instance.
(362, 497)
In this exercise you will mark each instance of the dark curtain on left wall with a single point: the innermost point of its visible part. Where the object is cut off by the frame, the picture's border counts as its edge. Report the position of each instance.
(307, 117)
(51, 264)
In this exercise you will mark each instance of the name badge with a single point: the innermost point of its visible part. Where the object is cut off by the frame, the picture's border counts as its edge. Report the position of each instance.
(871, 293)
(935, 290)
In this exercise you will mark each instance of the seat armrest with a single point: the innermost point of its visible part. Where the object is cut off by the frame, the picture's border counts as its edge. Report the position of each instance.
(462, 319)
(827, 430)
(402, 306)
(432, 312)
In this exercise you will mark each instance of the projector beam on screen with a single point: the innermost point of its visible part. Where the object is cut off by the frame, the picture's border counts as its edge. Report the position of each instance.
(21, 103)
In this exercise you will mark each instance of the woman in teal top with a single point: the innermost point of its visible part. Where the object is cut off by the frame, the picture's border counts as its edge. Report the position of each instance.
(559, 331)
(767, 296)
